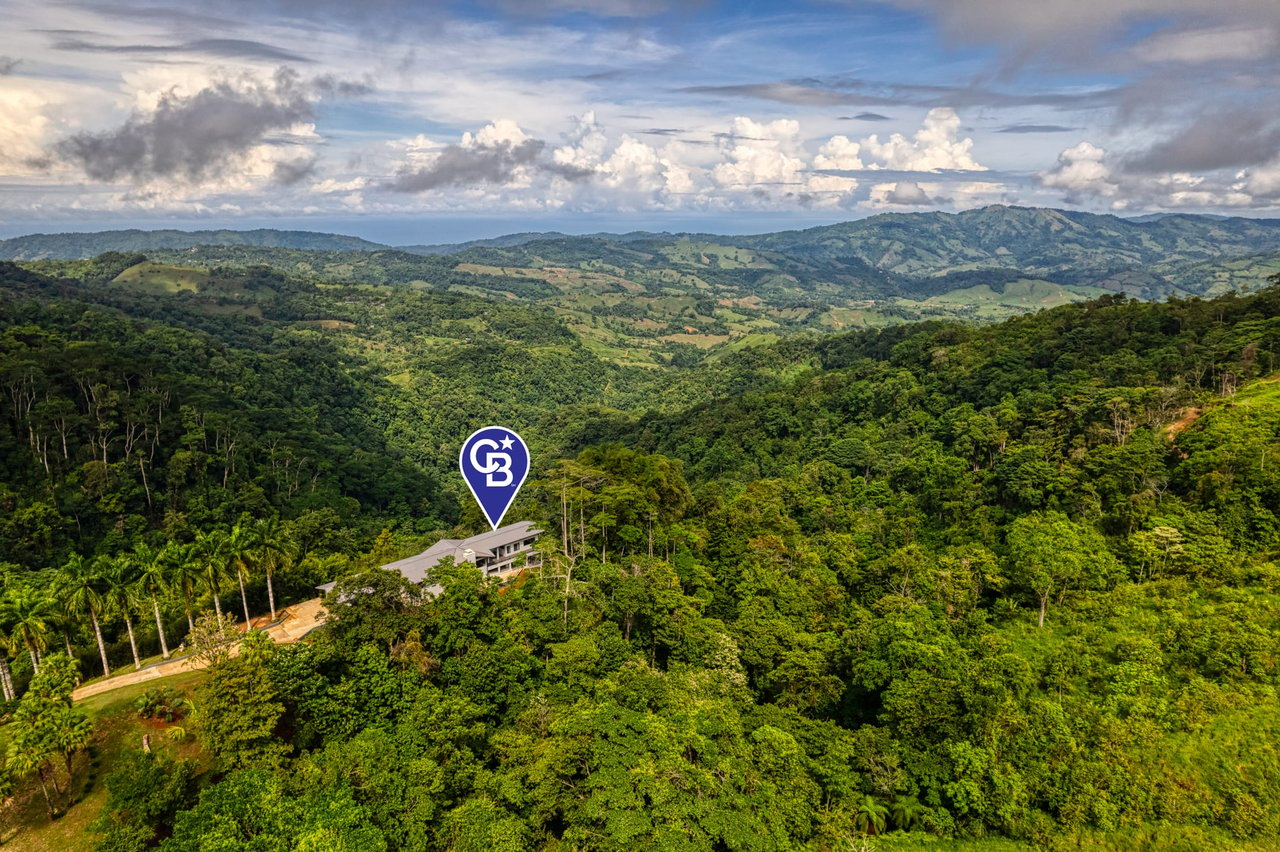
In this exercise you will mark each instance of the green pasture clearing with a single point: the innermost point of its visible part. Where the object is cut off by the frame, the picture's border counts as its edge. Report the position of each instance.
(152, 277)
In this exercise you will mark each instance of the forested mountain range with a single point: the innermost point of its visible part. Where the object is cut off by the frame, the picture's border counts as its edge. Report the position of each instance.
(649, 300)
(646, 299)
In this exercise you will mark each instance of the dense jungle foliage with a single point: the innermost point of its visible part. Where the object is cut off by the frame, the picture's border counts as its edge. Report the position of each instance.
(933, 586)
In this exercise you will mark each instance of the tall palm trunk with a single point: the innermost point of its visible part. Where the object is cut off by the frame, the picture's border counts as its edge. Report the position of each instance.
(271, 596)
(66, 638)
(102, 646)
(217, 605)
(133, 643)
(53, 776)
(48, 803)
(164, 642)
(244, 601)
(186, 600)
(6, 678)
(35, 661)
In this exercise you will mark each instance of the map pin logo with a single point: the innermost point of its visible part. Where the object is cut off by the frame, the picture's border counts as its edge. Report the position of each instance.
(494, 462)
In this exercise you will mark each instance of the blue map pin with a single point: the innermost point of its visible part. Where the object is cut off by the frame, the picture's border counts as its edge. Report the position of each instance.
(494, 462)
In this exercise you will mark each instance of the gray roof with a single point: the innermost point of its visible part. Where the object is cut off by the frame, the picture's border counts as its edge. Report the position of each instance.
(415, 568)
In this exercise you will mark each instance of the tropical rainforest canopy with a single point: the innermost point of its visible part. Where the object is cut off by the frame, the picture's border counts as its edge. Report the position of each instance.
(989, 584)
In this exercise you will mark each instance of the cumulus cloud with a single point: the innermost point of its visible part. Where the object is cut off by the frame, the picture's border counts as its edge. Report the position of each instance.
(1081, 172)
(631, 168)
(7, 65)
(934, 146)
(499, 154)
(23, 125)
(198, 136)
(1087, 172)
(839, 153)
(1261, 183)
(760, 153)
(756, 163)
(908, 193)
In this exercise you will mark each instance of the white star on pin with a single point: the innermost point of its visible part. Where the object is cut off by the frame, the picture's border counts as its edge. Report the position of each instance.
(507, 442)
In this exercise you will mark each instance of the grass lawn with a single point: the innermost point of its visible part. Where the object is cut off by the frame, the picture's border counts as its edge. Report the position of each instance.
(24, 823)
(116, 671)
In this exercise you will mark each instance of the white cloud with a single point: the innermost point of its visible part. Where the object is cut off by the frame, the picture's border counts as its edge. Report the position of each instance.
(904, 193)
(934, 146)
(760, 153)
(23, 129)
(1082, 171)
(1262, 182)
(1086, 171)
(838, 153)
(632, 172)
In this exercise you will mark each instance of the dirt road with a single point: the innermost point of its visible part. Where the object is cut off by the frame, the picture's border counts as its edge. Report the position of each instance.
(292, 623)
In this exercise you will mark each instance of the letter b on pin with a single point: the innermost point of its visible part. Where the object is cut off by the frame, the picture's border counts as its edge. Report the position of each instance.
(494, 462)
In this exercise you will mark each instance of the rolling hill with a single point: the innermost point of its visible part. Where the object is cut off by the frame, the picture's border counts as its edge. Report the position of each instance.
(650, 299)
(84, 245)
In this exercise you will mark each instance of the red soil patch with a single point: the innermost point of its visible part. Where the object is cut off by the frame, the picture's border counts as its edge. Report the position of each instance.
(1189, 416)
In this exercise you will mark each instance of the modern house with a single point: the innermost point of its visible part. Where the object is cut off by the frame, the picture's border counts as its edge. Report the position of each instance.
(500, 553)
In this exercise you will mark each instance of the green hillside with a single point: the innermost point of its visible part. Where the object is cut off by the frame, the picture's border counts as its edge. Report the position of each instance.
(160, 278)
(647, 300)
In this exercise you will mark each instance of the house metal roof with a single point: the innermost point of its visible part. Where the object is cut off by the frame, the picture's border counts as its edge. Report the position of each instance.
(416, 568)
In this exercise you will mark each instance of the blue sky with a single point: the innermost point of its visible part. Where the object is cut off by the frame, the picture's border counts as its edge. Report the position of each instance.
(437, 121)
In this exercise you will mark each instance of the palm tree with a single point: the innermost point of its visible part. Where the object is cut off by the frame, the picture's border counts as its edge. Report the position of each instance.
(869, 816)
(79, 586)
(242, 548)
(183, 572)
(70, 731)
(27, 612)
(28, 754)
(65, 622)
(152, 565)
(906, 812)
(121, 592)
(272, 543)
(6, 676)
(211, 551)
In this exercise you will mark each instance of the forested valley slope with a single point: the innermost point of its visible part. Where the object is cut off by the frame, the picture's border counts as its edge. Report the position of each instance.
(928, 586)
